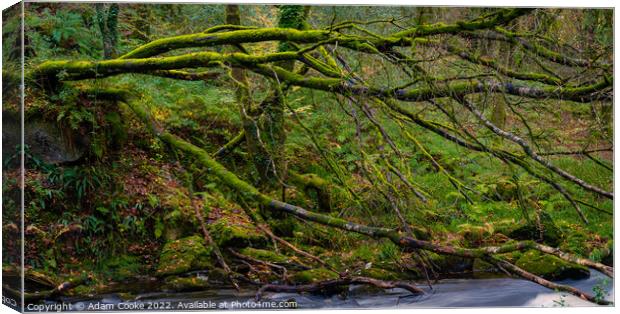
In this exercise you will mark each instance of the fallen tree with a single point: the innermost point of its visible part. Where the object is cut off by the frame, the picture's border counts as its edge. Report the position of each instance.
(323, 285)
(252, 194)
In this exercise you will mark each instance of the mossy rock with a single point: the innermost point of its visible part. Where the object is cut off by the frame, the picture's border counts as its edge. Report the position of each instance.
(46, 139)
(217, 275)
(184, 284)
(122, 267)
(475, 234)
(551, 234)
(551, 267)
(184, 255)
(265, 255)
(176, 226)
(227, 233)
(380, 273)
(313, 275)
(450, 265)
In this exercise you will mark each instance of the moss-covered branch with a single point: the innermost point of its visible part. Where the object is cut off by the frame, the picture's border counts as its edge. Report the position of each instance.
(489, 62)
(587, 93)
(186, 76)
(240, 35)
(76, 70)
(502, 264)
(503, 34)
(500, 17)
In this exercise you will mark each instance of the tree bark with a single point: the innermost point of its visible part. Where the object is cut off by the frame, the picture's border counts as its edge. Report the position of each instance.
(108, 26)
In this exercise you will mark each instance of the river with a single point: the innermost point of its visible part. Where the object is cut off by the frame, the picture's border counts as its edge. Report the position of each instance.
(496, 292)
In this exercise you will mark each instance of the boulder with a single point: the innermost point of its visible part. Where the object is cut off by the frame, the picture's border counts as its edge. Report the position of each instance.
(122, 267)
(550, 267)
(450, 265)
(184, 255)
(228, 232)
(45, 140)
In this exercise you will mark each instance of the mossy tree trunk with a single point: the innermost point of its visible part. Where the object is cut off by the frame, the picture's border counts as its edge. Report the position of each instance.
(248, 110)
(108, 26)
(265, 133)
(290, 16)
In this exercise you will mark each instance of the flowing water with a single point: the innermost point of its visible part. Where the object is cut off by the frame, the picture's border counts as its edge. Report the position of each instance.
(498, 292)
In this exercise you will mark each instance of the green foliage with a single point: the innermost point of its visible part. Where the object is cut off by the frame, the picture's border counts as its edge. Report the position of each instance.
(291, 16)
(72, 111)
(364, 253)
(601, 24)
(64, 30)
(121, 267)
(389, 252)
(79, 181)
(600, 290)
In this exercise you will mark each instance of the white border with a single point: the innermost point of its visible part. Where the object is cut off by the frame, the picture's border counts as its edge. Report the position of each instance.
(456, 3)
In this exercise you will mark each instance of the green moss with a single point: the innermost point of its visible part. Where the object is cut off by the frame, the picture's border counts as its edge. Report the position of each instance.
(180, 284)
(264, 255)
(506, 190)
(450, 264)
(116, 129)
(475, 234)
(313, 275)
(228, 233)
(184, 255)
(122, 267)
(551, 267)
(364, 253)
(505, 226)
(380, 273)
(520, 230)
(281, 224)
(576, 242)
(421, 233)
